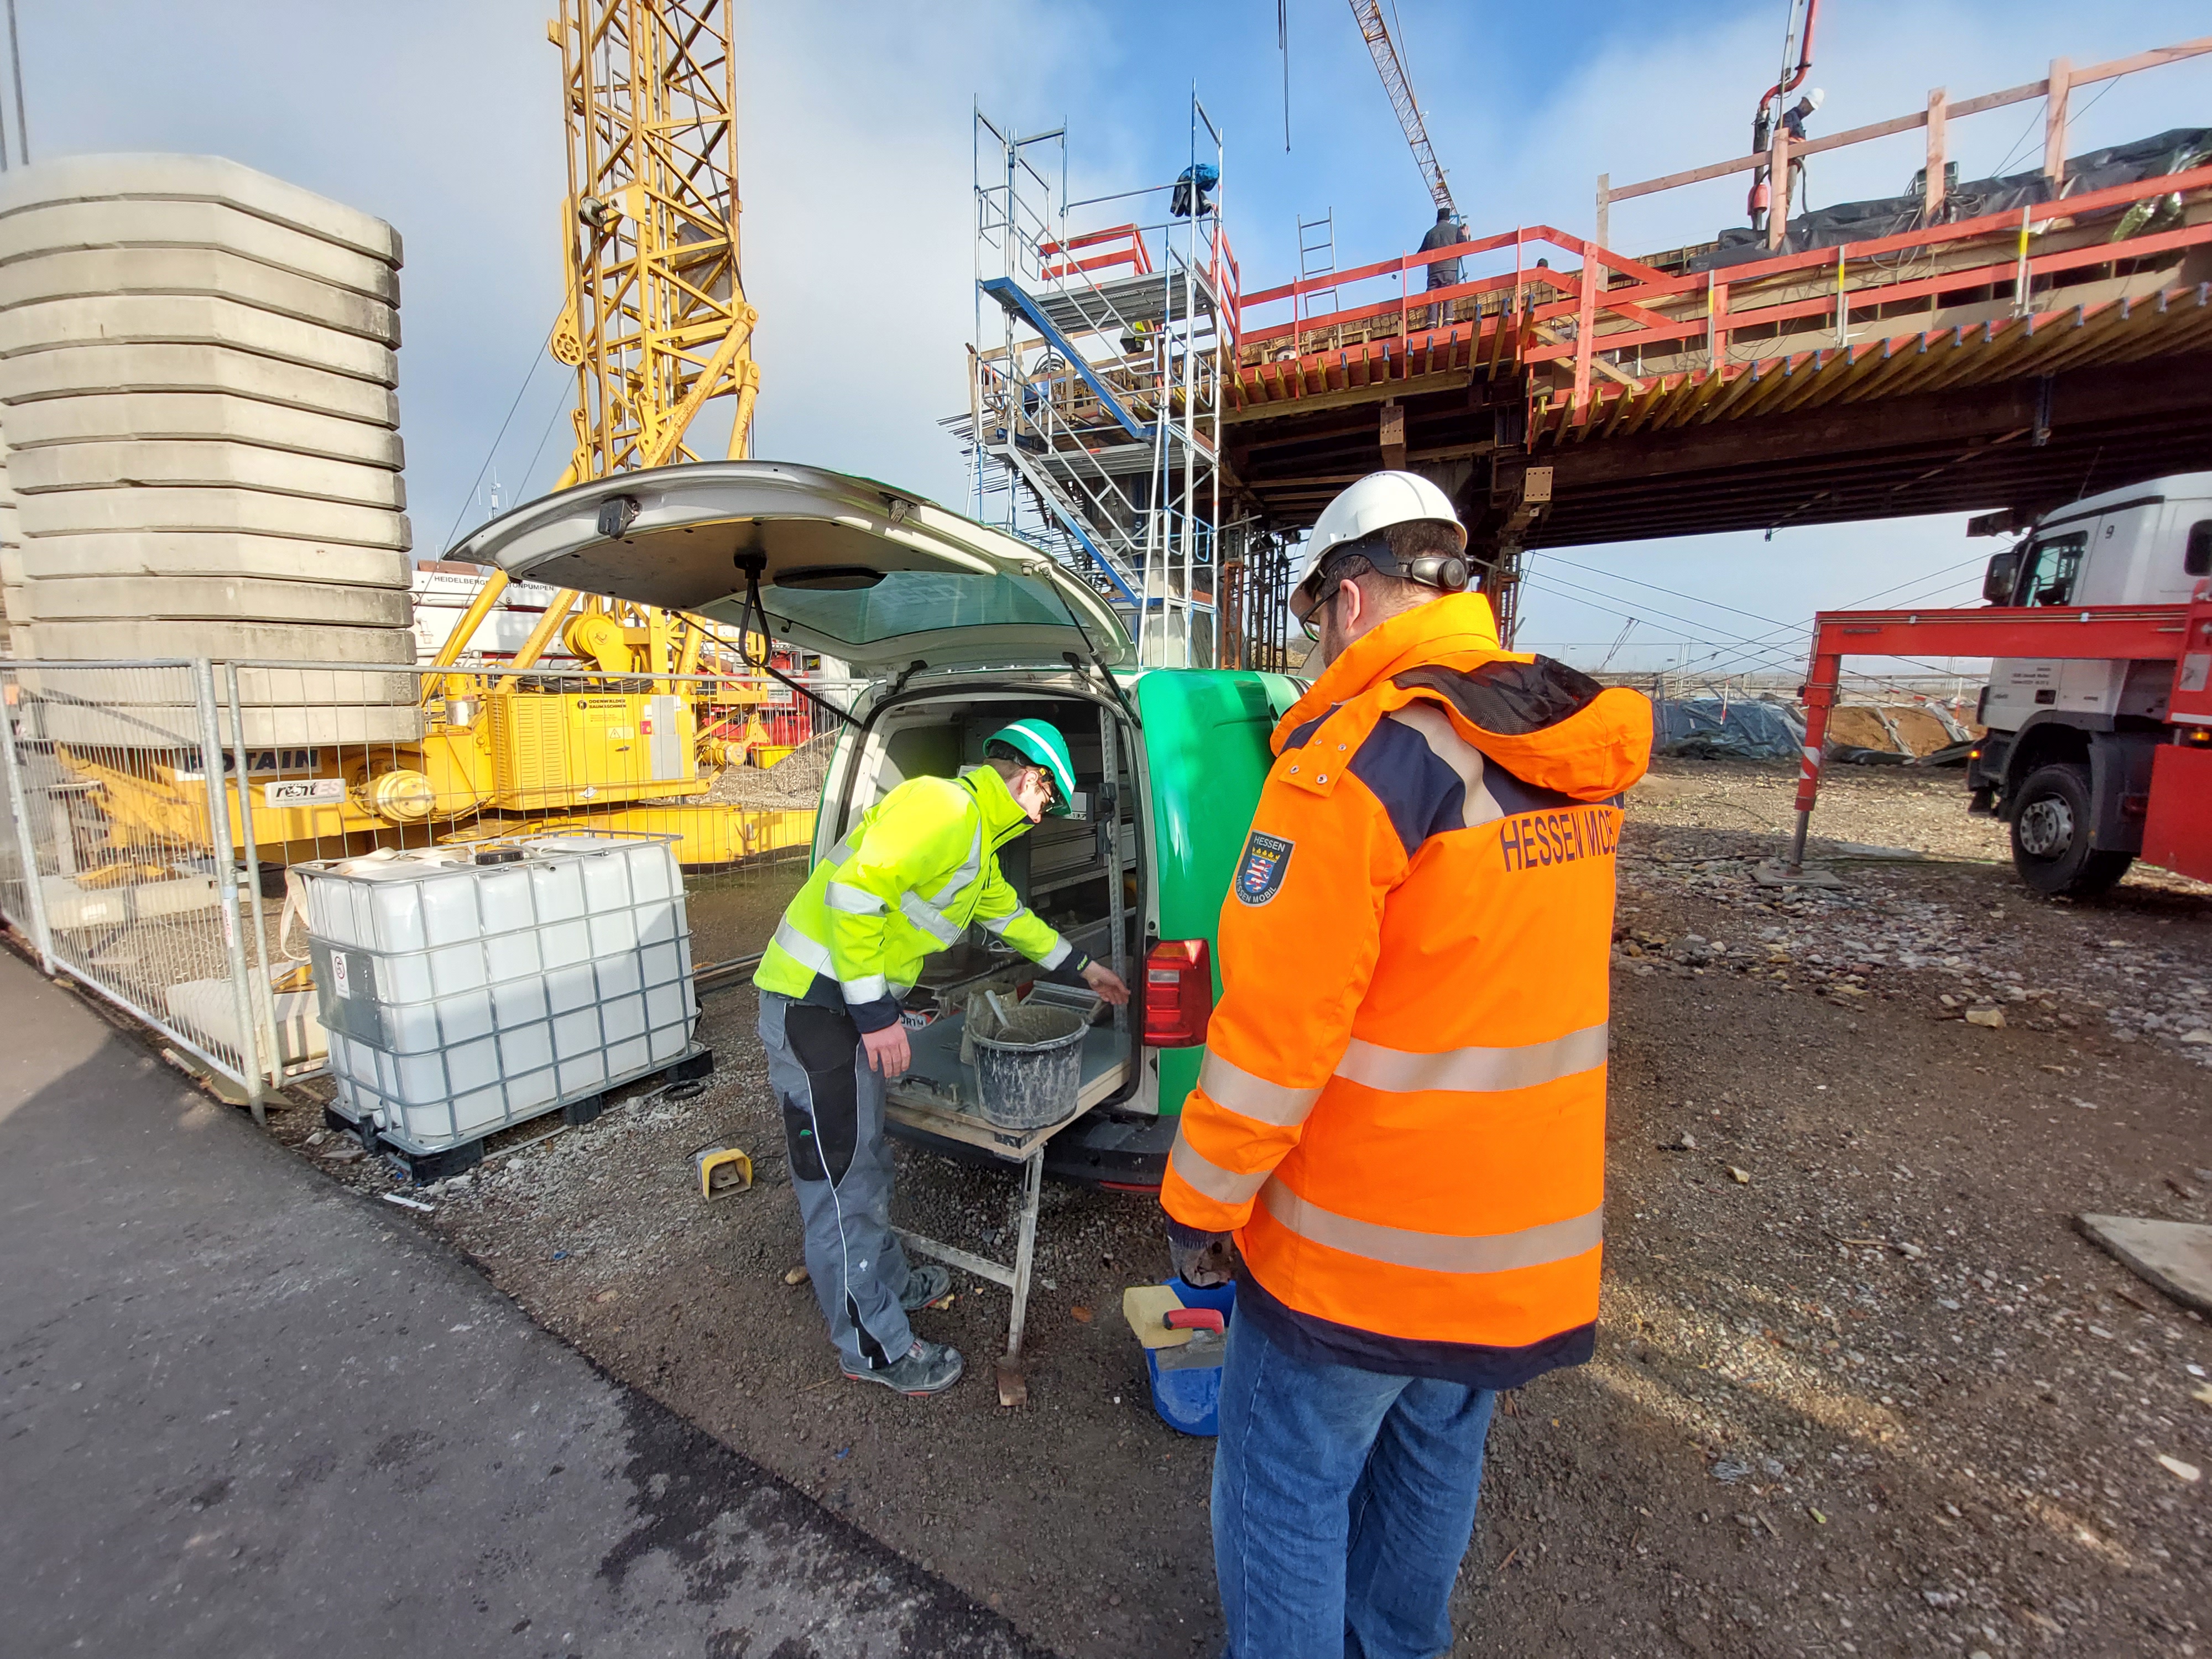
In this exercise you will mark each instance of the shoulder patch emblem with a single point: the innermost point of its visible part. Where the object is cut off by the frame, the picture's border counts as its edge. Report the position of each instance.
(1260, 871)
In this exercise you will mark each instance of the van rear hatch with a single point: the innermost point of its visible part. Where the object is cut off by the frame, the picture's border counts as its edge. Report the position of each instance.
(854, 569)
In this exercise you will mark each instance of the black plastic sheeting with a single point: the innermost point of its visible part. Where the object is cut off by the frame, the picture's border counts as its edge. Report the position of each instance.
(1857, 222)
(1740, 728)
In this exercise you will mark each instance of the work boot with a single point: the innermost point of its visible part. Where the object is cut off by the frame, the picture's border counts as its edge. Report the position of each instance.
(926, 1368)
(924, 1285)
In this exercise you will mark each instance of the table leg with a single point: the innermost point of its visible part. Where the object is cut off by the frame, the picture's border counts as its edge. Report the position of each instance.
(1013, 1388)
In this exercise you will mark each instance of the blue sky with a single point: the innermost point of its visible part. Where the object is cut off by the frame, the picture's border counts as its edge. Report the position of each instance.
(443, 118)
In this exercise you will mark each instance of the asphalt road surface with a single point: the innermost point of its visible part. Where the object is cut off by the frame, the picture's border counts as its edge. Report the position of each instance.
(244, 1411)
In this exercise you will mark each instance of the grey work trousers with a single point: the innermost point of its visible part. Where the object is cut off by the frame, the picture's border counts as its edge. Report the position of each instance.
(841, 1169)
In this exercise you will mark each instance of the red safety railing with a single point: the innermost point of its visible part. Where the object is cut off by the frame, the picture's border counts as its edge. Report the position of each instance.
(1124, 246)
(1614, 314)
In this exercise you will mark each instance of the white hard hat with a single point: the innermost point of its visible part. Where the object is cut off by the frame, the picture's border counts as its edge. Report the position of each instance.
(1816, 98)
(1375, 503)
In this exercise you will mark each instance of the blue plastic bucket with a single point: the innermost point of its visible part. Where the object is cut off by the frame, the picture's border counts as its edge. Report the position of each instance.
(1187, 1380)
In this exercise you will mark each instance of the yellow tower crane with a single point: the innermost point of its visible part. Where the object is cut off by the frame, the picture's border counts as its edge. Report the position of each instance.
(655, 322)
(656, 325)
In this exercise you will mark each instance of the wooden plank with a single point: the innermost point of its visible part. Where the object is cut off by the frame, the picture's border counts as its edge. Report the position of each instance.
(1393, 436)
(1725, 407)
(2056, 97)
(1444, 380)
(2143, 60)
(1938, 141)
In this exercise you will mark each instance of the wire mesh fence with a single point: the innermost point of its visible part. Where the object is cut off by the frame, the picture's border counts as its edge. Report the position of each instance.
(135, 904)
(156, 808)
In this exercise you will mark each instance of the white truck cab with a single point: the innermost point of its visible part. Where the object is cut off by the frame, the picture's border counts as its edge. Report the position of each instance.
(2067, 758)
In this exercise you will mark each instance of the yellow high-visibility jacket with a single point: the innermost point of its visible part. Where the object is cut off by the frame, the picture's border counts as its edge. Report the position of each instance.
(907, 880)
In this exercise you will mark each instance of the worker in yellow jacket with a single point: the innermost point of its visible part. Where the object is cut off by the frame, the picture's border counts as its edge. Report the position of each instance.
(921, 864)
(1400, 1116)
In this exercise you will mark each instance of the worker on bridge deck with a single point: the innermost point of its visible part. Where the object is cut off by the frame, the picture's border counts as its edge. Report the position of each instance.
(1399, 1117)
(907, 880)
(1447, 232)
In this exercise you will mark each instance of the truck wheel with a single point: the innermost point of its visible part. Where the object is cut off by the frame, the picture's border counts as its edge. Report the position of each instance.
(2051, 835)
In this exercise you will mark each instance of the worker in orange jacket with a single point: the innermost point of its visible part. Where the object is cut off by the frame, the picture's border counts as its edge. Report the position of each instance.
(1401, 1116)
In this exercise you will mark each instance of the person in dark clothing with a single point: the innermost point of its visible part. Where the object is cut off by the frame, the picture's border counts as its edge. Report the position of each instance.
(1443, 273)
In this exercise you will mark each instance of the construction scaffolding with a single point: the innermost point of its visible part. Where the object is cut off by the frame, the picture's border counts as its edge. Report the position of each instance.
(1093, 426)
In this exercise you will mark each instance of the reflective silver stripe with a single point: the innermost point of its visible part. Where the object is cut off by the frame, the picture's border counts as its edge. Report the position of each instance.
(1474, 1070)
(845, 848)
(872, 988)
(967, 872)
(1441, 1253)
(1061, 950)
(1225, 1185)
(1000, 924)
(808, 953)
(1037, 736)
(931, 921)
(852, 901)
(1231, 1086)
(1435, 729)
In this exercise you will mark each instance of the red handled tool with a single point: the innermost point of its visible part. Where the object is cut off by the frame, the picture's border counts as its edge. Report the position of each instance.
(1193, 1319)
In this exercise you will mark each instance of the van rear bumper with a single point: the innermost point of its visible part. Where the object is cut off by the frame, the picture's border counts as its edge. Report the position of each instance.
(1100, 1149)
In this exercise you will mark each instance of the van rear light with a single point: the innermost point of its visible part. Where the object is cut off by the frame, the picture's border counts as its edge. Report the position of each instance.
(1178, 993)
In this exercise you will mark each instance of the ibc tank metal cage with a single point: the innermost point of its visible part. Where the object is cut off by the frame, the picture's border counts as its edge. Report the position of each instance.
(467, 989)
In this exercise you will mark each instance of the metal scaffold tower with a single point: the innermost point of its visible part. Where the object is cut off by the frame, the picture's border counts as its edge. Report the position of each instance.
(1094, 409)
(655, 323)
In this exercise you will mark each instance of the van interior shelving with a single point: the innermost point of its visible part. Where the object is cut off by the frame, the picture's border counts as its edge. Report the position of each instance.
(1062, 869)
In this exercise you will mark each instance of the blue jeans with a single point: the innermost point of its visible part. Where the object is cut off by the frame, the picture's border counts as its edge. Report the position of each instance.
(1343, 1502)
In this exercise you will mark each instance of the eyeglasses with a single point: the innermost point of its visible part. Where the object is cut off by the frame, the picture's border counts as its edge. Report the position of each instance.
(1310, 619)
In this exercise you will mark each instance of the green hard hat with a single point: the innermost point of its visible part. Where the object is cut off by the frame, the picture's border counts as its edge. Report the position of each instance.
(1039, 743)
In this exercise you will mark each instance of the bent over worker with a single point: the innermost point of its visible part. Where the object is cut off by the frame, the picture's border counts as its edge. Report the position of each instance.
(919, 868)
(1400, 1114)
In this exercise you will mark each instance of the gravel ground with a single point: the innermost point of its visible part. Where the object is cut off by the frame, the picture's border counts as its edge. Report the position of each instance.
(1861, 1388)
(792, 784)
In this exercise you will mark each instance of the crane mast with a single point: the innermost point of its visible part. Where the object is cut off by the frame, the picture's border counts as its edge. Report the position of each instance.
(1368, 14)
(655, 323)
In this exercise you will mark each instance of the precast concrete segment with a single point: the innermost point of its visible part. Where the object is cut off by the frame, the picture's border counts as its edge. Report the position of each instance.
(206, 271)
(192, 320)
(215, 599)
(151, 177)
(136, 464)
(201, 415)
(283, 685)
(149, 726)
(73, 371)
(278, 558)
(285, 706)
(63, 226)
(253, 512)
(252, 1413)
(225, 642)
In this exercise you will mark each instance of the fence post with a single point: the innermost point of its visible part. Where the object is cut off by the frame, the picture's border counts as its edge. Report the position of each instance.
(226, 864)
(272, 1066)
(19, 791)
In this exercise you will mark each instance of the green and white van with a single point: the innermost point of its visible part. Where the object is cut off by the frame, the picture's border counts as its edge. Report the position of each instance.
(959, 628)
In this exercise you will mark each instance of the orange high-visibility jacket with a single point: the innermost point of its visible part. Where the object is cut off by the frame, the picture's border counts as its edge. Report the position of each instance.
(1401, 1109)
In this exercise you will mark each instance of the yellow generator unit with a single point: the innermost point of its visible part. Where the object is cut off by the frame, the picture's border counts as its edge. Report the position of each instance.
(554, 749)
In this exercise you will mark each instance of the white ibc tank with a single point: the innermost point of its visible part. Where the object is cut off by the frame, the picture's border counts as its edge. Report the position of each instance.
(198, 376)
(460, 997)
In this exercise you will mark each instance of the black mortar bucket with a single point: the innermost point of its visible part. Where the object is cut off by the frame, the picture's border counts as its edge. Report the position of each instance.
(1029, 1070)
